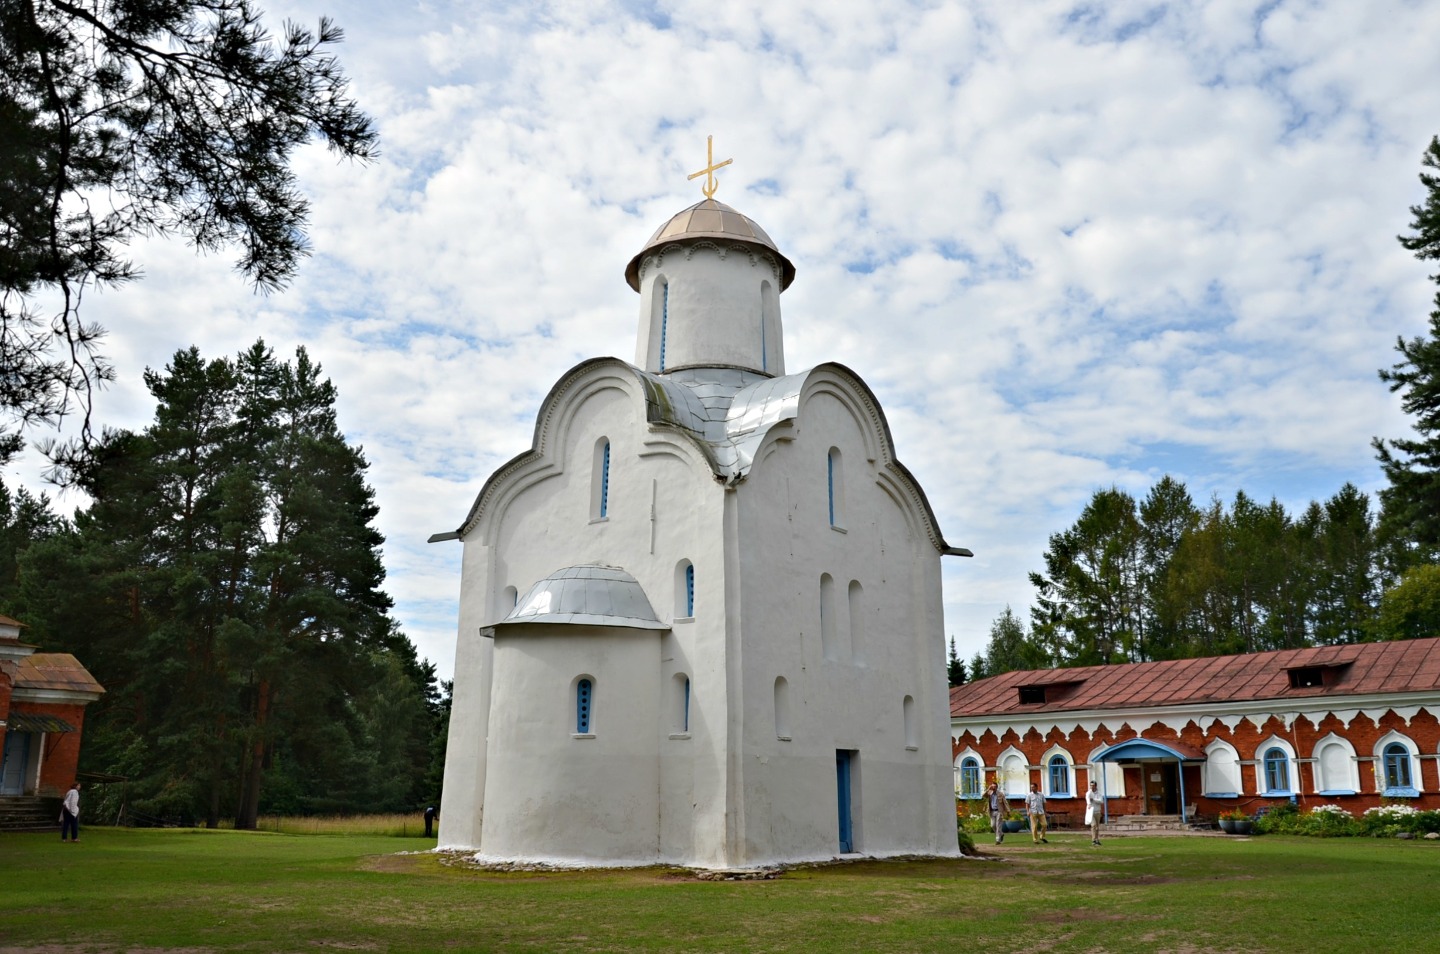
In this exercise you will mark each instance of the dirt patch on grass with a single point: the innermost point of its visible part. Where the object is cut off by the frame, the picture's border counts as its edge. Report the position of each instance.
(102, 949)
(1086, 914)
(391, 864)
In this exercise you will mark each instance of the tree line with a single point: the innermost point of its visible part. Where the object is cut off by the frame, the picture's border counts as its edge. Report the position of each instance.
(225, 585)
(1163, 578)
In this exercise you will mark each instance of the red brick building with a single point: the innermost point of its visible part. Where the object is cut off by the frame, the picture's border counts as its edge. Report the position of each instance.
(42, 711)
(1343, 725)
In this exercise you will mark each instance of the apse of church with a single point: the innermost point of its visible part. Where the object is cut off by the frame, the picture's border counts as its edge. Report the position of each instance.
(700, 618)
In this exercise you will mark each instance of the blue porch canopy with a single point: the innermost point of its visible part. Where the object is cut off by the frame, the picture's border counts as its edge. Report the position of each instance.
(1141, 748)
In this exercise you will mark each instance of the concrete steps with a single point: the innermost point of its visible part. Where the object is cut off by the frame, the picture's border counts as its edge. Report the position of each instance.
(1144, 823)
(29, 813)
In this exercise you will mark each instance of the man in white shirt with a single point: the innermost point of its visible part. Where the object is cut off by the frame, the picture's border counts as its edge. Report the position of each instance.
(1035, 805)
(1094, 812)
(70, 814)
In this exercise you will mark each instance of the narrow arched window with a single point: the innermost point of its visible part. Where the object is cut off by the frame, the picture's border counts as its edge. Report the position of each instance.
(912, 740)
(684, 590)
(600, 481)
(835, 486)
(1397, 766)
(664, 320)
(970, 777)
(1059, 776)
(1277, 771)
(770, 353)
(680, 703)
(782, 708)
(584, 705)
(828, 649)
(857, 621)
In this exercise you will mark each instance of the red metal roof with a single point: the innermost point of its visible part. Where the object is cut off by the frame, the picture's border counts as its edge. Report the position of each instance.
(1360, 669)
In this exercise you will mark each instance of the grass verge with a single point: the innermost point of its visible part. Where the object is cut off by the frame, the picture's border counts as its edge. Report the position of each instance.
(173, 891)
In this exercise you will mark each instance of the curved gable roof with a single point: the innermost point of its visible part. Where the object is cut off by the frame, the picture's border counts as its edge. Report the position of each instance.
(726, 413)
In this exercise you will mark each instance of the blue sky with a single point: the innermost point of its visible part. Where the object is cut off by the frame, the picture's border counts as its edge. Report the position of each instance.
(1069, 245)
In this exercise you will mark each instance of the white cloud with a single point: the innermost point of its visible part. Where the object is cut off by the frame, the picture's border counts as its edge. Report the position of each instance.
(1068, 245)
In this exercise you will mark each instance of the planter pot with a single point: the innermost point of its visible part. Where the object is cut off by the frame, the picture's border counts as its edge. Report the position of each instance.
(1013, 826)
(1227, 826)
(1243, 827)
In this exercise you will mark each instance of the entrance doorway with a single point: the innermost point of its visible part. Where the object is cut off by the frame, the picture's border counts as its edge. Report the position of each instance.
(1160, 787)
(844, 775)
(16, 760)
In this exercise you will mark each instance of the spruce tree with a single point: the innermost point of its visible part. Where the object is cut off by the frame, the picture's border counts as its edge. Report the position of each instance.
(1410, 504)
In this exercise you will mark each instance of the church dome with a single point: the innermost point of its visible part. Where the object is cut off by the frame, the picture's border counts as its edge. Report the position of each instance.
(712, 221)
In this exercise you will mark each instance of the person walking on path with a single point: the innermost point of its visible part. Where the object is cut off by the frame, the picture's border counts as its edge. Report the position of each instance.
(1094, 812)
(995, 799)
(70, 814)
(1035, 805)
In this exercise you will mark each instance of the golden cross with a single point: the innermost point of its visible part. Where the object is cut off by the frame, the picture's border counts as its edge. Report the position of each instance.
(709, 171)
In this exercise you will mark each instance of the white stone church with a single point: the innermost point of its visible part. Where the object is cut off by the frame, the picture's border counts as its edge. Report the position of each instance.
(701, 617)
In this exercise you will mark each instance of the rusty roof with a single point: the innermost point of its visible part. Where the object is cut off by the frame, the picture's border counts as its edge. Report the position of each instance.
(1355, 670)
(60, 671)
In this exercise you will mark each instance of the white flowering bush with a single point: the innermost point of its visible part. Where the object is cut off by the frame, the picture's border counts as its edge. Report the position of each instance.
(1334, 811)
(1392, 813)
(1386, 820)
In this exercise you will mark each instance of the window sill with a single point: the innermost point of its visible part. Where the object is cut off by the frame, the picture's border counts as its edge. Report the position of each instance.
(582, 735)
(682, 619)
(782, 738)
(679, 736)
(1337, 791)
(595, 520)
(838, 529)
(1401, 793)
(1222, 794)
(912, 748)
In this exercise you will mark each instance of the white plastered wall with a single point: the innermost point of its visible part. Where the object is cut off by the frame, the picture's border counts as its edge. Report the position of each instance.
(903, 800)
(664, 506)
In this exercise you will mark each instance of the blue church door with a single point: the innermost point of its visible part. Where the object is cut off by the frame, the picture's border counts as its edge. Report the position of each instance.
(12, 768)
(842, 786)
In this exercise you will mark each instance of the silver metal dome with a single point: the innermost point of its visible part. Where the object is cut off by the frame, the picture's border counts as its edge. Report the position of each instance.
(587, 595)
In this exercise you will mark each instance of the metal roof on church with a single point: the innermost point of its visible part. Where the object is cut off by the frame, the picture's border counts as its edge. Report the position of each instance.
(586, 595)
(1355, 670)
(713, 221)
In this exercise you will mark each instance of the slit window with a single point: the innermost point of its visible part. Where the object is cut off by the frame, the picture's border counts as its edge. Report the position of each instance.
(664, 320)
(584, 704)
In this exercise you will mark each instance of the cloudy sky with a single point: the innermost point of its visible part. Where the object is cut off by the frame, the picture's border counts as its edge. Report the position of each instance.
(1069, 245)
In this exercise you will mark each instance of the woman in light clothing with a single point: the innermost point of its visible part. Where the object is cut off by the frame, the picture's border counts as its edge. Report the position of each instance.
(1094, 812)
(70, 814)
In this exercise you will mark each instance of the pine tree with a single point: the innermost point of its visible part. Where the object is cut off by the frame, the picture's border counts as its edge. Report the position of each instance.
(183, 116)
(225, 584)
(1410, 504)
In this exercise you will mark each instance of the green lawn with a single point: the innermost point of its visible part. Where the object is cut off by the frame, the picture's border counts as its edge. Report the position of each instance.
(166, 892)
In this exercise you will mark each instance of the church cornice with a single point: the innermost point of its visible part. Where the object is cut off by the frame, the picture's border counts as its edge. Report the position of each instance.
(758, 255)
